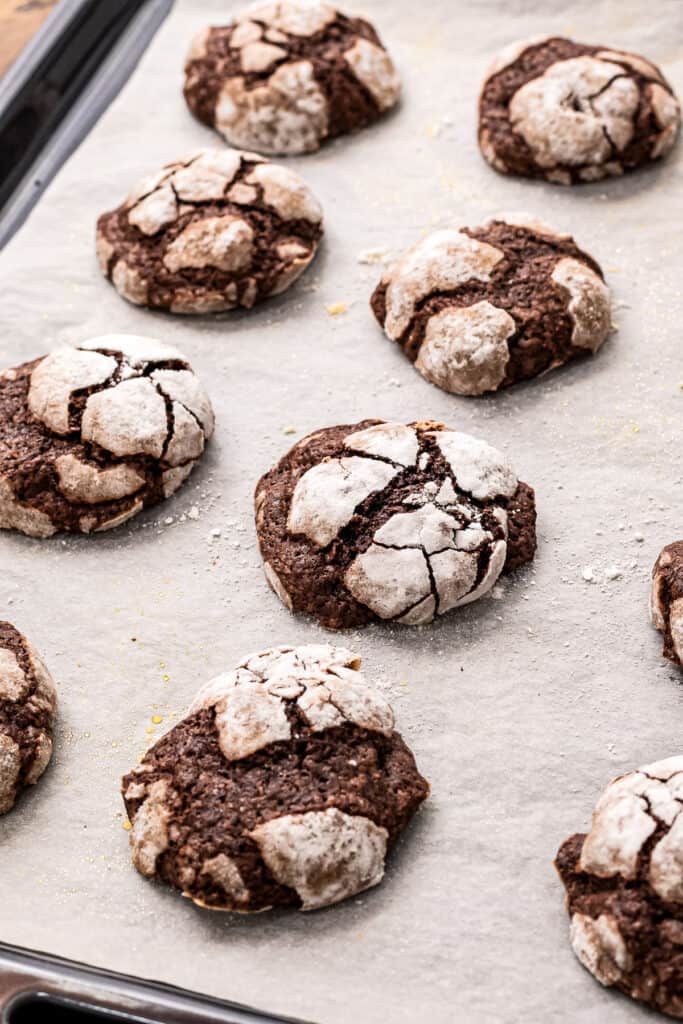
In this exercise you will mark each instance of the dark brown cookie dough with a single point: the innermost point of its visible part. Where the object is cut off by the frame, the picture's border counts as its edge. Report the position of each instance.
(91, 435)
(285, 785)
(214, 231)
(27, 709)
(666, 600)
(284, 76)
(482, 308)
(386, 521)
(555, 109)
(624, 887)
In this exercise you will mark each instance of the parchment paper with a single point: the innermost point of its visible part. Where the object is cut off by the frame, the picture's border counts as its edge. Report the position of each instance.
(519, 708)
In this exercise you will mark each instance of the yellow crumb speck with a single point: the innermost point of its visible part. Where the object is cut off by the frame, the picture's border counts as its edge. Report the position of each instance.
(139, 759)
(636, 429)
(127, 825)
(162, 664)
(149, 729)
(336, 308)
(165, 678)
(404, 682)
(289, 430)
(157, 719)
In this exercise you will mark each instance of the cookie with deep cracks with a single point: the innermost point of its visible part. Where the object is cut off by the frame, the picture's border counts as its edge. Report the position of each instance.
(285, 785)
(387, 521)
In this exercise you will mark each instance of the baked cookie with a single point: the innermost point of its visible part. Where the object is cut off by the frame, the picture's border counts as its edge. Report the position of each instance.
(217, 230)
(28, 702)
(281, 77)
(285, 785)
(91, 435)
(624, 883)
(386, 521)
(666, 600)
(481, 308)
(551, 108)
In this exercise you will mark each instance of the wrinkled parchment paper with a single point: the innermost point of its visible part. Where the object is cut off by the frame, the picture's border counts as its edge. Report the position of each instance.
(519, 708)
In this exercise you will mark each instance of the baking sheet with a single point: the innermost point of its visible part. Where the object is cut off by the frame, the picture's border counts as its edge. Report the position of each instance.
(519, 708)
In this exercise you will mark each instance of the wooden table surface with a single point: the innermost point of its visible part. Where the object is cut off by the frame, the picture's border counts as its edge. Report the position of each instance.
(19, 20)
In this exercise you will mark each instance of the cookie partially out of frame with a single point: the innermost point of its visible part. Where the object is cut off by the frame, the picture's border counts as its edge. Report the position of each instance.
(482, 308)
(28, 702)
(282, 77)
(624, 886)
(284, 786)
(567, 112)
(666, 600)
(388, 521)
(91, 435)
(214, 231)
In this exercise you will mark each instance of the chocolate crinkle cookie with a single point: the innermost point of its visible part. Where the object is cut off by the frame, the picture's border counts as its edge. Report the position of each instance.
(90, 435)
(481, 308)
(284, 786)
(386, 521)
(666, 600)
(555, 109)
(217, 230)
(282, 77)
(624, 884)
(28, 702)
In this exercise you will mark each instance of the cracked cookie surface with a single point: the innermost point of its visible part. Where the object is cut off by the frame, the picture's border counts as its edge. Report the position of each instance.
(481, 308)
(666, 600)
(284, 785)
(387, 521)
(567, 112)
(282, 77)
(91, 435)
(624, 886)
(28, 702)
(217, 230)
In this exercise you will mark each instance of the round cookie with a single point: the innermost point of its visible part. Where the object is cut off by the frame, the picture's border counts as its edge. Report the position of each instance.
(281, 77)
(481, 308)
(383, 521)
(285, 785)
(91, 435)
(555, 109)
(666, 600)
(214, 231)
(28, 702)
(624, 886)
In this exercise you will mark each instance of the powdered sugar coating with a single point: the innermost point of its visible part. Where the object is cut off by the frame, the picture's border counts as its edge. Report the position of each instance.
(323, 681)
(440, 262)
(599, 945)
(589, 302)
(627, 814)
(576, 112)
(465, 350)
(325, 856)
